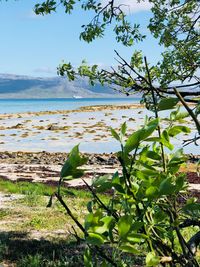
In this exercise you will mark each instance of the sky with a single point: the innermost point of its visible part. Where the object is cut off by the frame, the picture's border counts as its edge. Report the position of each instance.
(35, 45)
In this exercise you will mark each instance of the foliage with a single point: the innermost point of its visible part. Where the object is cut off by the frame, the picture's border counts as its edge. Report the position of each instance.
(175, 26)
(144, 213)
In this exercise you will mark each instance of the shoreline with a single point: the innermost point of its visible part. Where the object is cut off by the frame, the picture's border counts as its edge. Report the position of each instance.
(58, 158)
(92, 108)
(89, 108)
(44, 167)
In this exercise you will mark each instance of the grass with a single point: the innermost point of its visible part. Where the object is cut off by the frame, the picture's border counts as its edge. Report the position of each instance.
(30, 212)
(25, 188)
(28, 188)
(17, 250)
(36, 236)
(27, 218)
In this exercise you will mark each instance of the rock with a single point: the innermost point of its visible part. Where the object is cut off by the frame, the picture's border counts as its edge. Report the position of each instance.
(18, 126)
(54, 127)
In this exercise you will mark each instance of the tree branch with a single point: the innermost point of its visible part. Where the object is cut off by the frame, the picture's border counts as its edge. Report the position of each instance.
(194, 242)
(189, 222)
(188, 109)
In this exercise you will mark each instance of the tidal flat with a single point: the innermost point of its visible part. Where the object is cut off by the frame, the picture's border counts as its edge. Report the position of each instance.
(59, 131)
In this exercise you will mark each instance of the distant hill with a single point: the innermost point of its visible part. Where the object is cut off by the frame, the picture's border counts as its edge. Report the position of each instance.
(17, 86)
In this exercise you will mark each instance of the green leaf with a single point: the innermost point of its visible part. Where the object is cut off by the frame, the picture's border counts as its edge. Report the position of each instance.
(134, 140)
(123, 128)
(104, 264)
(178, 156)
(115, 134)
(136, 238)
(102, 183)
(89, 206)
(149, 128)
(177, 160)
(167, 103)
(152, 259)
(101, 180)
(87, 258)
(107, 221)
(192, 209)
(137, 225)
(93, 219)
(90, 220)
(153, 139)
(118, 188)
(124, 225)
(173, 131)
(95, 239)
(152, 192)
(127, 247)
(180, 183)
(178, 115)
(166, 187)
(117, 184)
(197, 110)
(70, 168)
(165, 140)
(153, 155)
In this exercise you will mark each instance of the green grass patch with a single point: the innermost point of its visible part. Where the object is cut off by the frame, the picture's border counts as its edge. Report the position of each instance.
(29, 215)
(25, 188)
(30, 188)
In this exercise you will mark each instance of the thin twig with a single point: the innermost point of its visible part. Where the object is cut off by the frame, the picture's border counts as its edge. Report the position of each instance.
(188, 109)
(156, 112)
(114, 214)
(62, 202)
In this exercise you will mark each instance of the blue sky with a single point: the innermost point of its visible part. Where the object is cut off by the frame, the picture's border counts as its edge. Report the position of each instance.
(36, 45)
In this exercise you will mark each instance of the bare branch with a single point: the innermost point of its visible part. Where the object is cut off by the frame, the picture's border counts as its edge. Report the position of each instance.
(189, 222)
(194, 242)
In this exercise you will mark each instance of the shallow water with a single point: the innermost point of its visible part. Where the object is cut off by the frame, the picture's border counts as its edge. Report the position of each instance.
(90, 129)
(35, 105)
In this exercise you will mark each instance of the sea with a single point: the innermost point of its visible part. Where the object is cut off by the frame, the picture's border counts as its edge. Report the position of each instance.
(21, 140)
(35, 105)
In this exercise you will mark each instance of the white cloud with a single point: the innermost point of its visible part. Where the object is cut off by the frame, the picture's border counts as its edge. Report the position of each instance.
(132, 6)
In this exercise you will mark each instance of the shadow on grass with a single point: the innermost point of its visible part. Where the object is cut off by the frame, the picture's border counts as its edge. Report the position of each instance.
(18, 250)
(17, 247)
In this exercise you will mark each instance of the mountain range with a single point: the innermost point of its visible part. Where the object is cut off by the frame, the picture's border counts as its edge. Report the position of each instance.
(18, 86)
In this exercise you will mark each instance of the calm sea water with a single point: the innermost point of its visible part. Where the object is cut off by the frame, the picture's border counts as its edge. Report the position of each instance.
(24, 105)
(13, 139)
